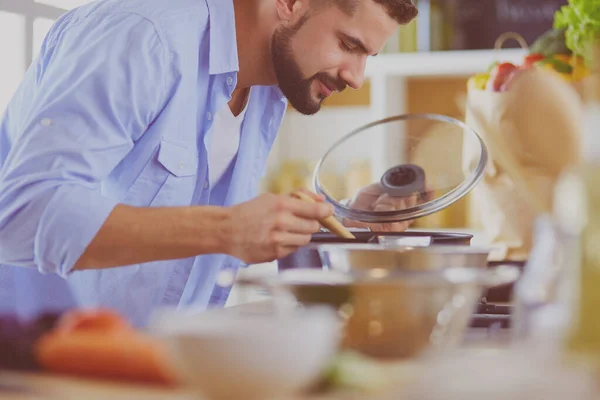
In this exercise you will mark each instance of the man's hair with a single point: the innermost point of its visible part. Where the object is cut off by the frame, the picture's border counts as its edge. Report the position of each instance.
(403, 11)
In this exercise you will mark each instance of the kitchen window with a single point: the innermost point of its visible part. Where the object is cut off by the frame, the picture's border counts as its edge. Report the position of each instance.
(23, 26)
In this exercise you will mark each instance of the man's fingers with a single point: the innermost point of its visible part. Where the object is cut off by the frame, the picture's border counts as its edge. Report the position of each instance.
(291, 239)
(381, 207)
(304, 209)
(350, 223)
(315, 196)
(411, 201)
(288, 222)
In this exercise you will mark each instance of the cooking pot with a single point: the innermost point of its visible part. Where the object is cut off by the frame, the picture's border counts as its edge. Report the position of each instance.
(308, 256)
(367, 258)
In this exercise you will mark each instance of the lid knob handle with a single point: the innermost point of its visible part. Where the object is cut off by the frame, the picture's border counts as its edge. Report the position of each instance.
(403, 180)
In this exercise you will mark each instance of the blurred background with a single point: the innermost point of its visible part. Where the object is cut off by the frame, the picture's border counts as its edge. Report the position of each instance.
(424, 68)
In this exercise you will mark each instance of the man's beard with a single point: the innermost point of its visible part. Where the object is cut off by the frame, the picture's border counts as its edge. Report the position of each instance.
(290, 79)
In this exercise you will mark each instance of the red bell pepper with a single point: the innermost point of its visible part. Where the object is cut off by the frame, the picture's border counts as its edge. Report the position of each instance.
(499, 75)
(531, 59)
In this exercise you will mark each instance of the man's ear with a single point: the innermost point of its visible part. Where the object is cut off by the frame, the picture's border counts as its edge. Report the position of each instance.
(289, 10)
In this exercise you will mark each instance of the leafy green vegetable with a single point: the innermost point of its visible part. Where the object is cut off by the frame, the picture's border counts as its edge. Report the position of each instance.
(550, 43)
(558, 65)
(581, 21)
(492, 66)
(353, 371)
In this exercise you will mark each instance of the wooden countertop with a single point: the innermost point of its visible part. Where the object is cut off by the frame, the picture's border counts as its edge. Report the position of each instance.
(28, 386)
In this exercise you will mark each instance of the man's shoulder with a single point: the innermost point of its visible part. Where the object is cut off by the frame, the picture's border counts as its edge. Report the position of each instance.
(168, 17)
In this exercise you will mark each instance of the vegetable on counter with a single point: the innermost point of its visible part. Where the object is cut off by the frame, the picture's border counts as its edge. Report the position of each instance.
(533, 58)
(17, 338)
(352, 371)
(549, 52)
(562, 50)
(580, 20)
(101, 344)
(479, 81)
(91, 320)
(559, 66)
(500, 76)
(550, 43)
(580, 70)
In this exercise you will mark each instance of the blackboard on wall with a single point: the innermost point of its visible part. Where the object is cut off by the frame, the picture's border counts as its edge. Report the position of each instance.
(476, 24)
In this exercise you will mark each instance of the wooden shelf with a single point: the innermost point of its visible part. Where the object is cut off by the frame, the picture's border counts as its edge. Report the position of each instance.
(439, 63)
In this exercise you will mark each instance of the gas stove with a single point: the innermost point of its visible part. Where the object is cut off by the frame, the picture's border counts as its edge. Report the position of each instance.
(495, 307)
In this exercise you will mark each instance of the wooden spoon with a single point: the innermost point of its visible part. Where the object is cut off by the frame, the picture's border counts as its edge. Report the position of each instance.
(329, 223)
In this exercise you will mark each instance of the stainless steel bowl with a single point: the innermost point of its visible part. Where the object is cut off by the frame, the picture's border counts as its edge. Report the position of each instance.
(392, 314)
(308, 256)
(390, 256)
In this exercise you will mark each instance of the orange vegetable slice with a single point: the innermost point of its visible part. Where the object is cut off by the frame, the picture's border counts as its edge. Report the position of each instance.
(121, 356)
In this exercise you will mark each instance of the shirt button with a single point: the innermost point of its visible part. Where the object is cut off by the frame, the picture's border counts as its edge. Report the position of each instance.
(229, 81)
(46, 122)
(209, 116)
(206, 184)
(181, 165)
(226, 278)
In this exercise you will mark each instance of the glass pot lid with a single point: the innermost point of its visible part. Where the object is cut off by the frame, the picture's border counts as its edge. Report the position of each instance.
(401, 168)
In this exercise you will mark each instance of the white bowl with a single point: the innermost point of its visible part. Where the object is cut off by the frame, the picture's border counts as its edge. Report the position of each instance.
(225, 356)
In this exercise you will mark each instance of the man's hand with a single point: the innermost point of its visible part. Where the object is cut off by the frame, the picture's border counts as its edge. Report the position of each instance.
(372, 198)
(260, 230)
(272, 226)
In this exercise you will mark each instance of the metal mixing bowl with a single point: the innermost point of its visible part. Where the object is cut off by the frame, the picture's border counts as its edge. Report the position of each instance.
(393, 315)
(395, 303)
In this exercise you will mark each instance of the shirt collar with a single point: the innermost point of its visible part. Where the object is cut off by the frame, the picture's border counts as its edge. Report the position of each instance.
(222, 56)
(278, 94)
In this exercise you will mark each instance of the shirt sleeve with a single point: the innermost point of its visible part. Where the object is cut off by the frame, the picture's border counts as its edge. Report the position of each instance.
(98, 87)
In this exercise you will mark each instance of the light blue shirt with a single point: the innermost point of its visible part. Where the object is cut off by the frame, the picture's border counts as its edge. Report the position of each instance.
(117, 109)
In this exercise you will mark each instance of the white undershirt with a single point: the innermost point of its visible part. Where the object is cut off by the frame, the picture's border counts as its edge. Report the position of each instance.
(225, 141)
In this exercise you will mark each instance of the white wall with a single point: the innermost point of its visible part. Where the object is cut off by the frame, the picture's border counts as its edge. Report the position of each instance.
(12, 48)
(308, 137)
(23, 26)
(65, 4)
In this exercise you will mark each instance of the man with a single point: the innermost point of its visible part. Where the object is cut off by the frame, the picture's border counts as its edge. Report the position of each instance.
(131, 153)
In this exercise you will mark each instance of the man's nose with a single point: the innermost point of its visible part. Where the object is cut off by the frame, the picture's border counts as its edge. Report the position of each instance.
(354, 74)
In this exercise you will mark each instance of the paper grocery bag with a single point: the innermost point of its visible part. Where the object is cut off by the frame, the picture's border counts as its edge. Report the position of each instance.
(538, 120)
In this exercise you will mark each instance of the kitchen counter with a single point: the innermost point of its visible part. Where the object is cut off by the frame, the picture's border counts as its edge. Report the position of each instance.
(26, 386)
(537, 380)
(29, 386)
(20, 386)
(243, 300)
